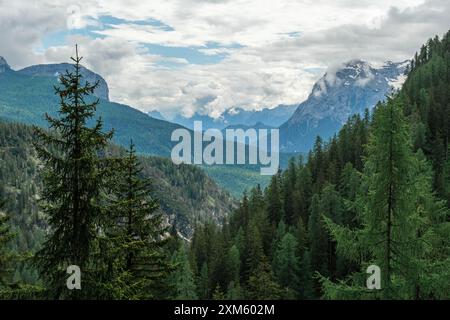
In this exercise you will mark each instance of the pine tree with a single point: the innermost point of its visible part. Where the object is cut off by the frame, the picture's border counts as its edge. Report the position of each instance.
(318, 241)
(203, 282)
(182, 278)
(303, 194)
(286, 266)
(289, 182)
(232, 265)
(74, 175)
(274, 201)
(254, 252)
(234, 291)
(136, 233)
(5, 255)
(306, 285)
(218, 294)
(261, 284)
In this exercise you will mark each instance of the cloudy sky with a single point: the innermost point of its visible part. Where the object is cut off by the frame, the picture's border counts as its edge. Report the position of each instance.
(211, 55)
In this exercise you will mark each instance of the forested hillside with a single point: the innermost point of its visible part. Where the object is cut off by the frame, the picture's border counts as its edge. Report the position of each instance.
(186, 195)
(376, 193)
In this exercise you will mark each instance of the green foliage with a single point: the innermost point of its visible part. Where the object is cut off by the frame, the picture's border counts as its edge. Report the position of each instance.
(182, 278)
(286, 266)
(133, 245)
(366, 196)
(399, 216)
(74, 176)
(261, 284)
(5, 255)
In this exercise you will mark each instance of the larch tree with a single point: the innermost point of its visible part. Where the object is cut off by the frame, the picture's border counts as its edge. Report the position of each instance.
(399, 218)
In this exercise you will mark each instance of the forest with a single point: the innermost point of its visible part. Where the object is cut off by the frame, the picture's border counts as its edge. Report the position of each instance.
(377, 193)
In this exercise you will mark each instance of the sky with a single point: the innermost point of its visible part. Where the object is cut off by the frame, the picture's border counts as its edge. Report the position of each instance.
(207, 56)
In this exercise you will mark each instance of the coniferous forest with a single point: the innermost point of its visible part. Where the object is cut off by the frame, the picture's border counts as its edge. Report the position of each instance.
(377, 193)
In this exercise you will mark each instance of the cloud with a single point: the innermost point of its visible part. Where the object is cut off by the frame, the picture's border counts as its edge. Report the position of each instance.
(171, 55)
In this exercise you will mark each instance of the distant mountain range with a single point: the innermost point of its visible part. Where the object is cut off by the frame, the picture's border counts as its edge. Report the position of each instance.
(27, 94)
(349, 90)
(273, 117)
(342, 92)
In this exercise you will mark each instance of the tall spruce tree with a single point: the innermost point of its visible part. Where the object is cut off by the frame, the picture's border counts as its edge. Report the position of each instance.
(137, 234)
(318, 242)
(182, 278)
(261, 284)
(73, 176)
(286, 266)
(5, 255)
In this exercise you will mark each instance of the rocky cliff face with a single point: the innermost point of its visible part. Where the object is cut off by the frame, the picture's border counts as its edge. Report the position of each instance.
(55, 70)
(339, 94)
(3, 65)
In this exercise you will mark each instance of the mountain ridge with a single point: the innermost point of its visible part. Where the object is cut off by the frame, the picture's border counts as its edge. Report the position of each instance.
(350, 89)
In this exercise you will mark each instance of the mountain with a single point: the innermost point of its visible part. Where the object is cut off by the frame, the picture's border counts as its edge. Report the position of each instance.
(3, 65)
(340, 93)
(55, 70)
(26, 95)
(236, 116)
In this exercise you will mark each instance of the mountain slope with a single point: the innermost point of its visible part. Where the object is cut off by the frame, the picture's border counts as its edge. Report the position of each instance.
(26, 95)
(335, 97)
(55, 70)
(186, 194)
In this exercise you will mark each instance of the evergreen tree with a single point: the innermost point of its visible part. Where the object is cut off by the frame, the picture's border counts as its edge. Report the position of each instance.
(234, 291)
(254, 252)
(5, 255)
(274, 201)
(397, 213)
(306, 285)
(233, 265)
(261, 284)
(218, 294)
(74, 176)
(318, 242)
(182, 278)
(303, 194)
(136, 234)
(203, 282)
(289, 182)
(286, 266)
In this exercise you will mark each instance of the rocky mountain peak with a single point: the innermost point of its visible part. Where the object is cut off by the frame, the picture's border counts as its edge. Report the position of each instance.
(54, 70)
(4, 65)
(345, 90)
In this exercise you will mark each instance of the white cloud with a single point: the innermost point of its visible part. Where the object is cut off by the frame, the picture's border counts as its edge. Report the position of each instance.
(269, 67)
